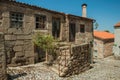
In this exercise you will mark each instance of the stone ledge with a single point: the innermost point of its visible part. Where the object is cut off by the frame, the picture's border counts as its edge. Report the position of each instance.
(10, 37)
(117, 57)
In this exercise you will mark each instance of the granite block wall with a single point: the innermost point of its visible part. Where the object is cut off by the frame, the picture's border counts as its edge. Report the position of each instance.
(73, 59)
(3, 74)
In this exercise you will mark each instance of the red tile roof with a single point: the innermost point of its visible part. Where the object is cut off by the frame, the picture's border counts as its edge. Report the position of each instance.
(103, 35)
(117, 25)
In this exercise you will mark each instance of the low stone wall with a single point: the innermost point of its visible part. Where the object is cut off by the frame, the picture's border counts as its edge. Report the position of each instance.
(73, 59)
(3, 74)
(117, 57)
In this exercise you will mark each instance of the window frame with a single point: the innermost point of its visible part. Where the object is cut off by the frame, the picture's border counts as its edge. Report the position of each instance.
(82, 28)
(17, 20)
(41, 25)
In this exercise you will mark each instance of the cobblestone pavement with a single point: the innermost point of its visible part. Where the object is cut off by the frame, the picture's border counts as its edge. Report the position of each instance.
(105, 69)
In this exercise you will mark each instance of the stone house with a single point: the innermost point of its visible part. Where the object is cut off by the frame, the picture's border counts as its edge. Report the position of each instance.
(116, 48)
(20, 21)
(103, 44)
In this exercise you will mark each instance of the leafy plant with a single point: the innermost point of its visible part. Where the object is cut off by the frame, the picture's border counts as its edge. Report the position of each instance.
(45, 42)
(96, 25)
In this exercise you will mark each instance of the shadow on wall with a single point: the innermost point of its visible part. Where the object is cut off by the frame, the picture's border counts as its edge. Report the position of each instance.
(12, 77)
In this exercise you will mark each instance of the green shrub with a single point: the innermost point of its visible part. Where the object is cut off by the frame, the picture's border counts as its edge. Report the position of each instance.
(45, 42)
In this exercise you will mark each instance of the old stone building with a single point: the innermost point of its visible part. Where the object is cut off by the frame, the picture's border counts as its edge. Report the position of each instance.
(103, 44)
(20, 21)
(116, 48)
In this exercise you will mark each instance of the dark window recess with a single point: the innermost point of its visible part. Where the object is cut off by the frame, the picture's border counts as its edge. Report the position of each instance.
(82, 28)
(40, 21)
(16, 20)
(56, 27)
(72, 32)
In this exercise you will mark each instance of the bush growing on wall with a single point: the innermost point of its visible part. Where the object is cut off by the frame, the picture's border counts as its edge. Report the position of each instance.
(45, 42)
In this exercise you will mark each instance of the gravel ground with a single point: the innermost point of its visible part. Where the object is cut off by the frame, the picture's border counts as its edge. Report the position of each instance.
(105, 69)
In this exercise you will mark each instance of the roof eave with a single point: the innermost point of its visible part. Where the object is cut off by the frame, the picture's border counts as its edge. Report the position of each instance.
(81, 17)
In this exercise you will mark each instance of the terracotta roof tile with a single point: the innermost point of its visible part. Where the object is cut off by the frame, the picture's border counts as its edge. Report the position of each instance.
(103, 35)
(117, 25)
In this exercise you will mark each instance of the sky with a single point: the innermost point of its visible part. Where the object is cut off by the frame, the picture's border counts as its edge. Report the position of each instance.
(105, 12)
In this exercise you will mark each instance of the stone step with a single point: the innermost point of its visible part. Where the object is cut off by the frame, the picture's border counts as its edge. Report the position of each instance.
(55, 68)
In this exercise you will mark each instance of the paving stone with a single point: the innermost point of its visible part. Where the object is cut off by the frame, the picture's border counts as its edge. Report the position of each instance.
(106, 69)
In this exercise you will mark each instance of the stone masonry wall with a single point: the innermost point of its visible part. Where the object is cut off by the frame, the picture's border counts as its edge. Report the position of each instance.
(3, 74)
(117, 43)
(102, 48)
(73, 59)
(85, 37)
(108, 48)
(18, 41)
(98, 48)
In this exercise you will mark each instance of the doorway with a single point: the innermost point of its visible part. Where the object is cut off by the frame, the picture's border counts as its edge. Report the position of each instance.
(39, 54)
(56, 27)
(72, 32)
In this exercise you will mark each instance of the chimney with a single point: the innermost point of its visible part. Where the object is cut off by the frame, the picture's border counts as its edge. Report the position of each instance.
(84, 12)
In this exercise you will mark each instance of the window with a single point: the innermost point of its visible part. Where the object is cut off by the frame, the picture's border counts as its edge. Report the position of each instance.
(40, 21)
(82, 28)
(16, 19)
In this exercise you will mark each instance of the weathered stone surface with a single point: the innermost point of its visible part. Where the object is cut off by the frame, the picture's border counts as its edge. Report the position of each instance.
(28, 47)
(24, 37)
(19, 54)
(31, 60)
(19, 42)
(29, 53)
(17, 48)
(103, 48)
(117, 57)
(3, 74)
(10, 37)
(74, 59)
(19, 60)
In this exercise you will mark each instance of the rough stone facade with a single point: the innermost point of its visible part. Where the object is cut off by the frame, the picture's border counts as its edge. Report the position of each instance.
(85, 37)
(73, 59)
(108, 47)
(3, 74)
(116, 48)
(98, 48)
(18, 41)
(103, 48)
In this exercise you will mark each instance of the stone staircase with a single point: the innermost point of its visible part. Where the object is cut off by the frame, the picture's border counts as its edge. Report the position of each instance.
(72, 60)
(63, 55)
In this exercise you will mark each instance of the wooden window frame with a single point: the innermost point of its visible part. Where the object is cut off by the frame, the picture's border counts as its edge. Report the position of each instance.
(16, 19)
(82, 28)
(40, 22)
